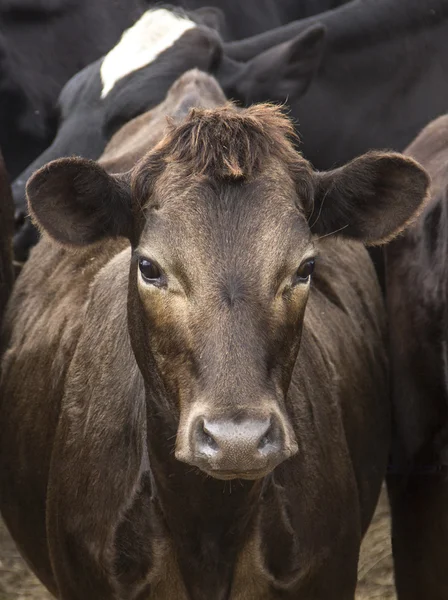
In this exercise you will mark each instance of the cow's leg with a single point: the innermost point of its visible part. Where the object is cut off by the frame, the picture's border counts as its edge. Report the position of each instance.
(420, 535)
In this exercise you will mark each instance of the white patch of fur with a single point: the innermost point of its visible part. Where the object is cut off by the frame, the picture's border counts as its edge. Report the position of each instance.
(140, 45)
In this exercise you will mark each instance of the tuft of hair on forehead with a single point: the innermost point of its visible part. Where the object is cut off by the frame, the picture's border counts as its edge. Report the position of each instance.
(226, 143)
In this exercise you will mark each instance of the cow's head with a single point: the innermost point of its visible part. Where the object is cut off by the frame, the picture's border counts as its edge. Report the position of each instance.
(223, 216)
(279, 72)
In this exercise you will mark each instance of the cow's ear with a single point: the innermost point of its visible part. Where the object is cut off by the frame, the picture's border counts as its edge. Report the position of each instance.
(282, 72)
(77, 202)
(370, 199)
(210, 16)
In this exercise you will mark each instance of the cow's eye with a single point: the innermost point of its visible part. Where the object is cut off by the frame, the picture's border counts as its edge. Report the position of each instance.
(305, 271)
(150, 271)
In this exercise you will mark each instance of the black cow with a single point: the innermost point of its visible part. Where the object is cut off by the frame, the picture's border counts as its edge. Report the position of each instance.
(136, 75)
(42, 44)
(384, 76)
(306, 8)
(417, 297)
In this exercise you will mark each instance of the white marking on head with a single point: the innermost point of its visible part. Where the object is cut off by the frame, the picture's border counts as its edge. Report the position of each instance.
(141, 44)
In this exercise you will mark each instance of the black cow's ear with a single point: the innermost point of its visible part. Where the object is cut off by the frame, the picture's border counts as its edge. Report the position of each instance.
(371, 199)
(210, 16)
(77, 202)
(282, 72)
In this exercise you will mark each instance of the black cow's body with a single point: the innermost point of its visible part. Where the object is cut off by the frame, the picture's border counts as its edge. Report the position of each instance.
(251, 17)
(42, 44)
(383, 76)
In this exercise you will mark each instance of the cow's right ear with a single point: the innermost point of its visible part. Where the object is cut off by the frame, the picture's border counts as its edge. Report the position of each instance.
(77, 202)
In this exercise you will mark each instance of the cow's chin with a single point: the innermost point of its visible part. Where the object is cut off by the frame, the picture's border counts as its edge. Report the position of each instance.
(230, 475)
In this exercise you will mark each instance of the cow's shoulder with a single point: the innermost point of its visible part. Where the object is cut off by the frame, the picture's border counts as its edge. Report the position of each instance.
(43, 323)
(53, 288)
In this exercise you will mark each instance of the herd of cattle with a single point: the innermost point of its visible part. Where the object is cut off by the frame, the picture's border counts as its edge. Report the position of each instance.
(205, 378)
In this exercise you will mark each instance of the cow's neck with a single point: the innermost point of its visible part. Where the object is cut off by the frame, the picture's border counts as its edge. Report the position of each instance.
(208, 520)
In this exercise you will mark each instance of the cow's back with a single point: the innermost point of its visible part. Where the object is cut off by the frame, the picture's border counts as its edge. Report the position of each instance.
(42, 326)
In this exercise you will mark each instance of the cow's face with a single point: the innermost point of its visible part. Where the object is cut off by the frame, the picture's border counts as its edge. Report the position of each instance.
(222, 271)
(222, 218)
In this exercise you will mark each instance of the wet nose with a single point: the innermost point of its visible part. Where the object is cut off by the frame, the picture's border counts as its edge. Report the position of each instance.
(249, 448)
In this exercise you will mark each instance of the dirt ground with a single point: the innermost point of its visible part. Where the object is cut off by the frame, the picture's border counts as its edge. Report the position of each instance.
(375, 574)
(375, 566)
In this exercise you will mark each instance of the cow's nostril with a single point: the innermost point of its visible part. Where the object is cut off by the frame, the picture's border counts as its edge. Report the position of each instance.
(268, 438)
(263, 442)
(206, 438)
(210, 441)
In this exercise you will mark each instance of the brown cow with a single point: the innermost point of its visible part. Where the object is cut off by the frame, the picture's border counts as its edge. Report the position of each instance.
(417, 291)
(187, 410)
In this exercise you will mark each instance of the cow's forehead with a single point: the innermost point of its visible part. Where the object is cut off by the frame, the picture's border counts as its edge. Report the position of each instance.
(201, 220)
(156, 31)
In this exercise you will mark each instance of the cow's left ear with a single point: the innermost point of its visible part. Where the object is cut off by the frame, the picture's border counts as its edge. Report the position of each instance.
(370, 199)
(282, 72)
(77, 202)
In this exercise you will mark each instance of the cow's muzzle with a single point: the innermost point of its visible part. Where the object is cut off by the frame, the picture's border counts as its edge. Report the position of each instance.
(248, 448)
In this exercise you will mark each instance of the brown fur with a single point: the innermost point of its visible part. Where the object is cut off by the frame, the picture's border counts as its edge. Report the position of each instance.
(103, 371)
(226, 144)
